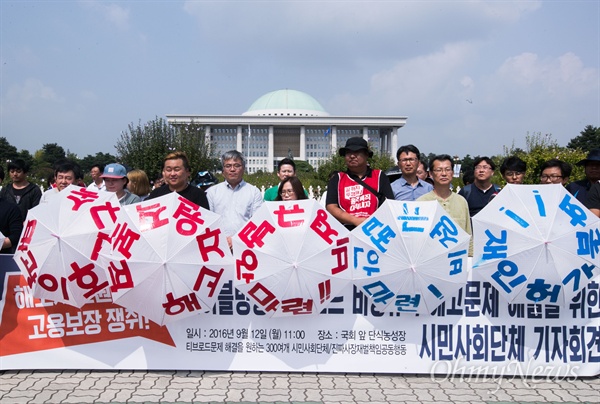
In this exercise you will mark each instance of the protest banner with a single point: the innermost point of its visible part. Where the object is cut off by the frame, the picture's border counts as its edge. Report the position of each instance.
(473, 333)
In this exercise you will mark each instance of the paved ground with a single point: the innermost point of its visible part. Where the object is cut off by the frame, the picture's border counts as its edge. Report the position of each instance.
(235, 387)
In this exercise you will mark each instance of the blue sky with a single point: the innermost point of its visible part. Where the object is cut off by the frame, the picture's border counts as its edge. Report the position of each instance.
(472, 76)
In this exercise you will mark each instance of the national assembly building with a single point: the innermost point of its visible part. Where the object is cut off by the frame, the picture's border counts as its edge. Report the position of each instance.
(290, 123)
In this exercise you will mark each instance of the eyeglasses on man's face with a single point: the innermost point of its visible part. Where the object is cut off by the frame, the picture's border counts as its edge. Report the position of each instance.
(483, 167)
(552, 178)
(408, 160)
(232, 166)
(514, 173)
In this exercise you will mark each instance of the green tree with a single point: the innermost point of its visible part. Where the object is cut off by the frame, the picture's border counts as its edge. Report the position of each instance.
(588, 139)
(99, 158)
(191, 139)
(541, 148)
(379, 161)
(467, 163)
(52, 152)
(145, 146)
(303, 166)
(335, 163)
(7, 151)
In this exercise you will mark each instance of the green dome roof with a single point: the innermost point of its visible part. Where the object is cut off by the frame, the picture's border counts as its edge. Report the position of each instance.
(286, 103)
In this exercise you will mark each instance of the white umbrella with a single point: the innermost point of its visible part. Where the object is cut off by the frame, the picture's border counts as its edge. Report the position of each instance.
(292, 258)
(409, 256)
(60, 244)
(169, 259)
(536, 244)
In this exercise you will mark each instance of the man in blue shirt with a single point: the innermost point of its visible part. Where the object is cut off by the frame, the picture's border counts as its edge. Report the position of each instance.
(234, 199)
(409, 187)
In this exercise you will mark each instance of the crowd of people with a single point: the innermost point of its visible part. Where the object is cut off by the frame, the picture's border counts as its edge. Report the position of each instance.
(352, 195)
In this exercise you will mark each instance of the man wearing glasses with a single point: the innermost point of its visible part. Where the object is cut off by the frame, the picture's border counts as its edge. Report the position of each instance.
(480, 192)
(555, 172)
(442, 171)
(513, 170)
(234, 199)
(409, 186)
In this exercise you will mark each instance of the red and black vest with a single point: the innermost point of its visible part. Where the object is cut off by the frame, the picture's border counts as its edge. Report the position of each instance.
(354, 198)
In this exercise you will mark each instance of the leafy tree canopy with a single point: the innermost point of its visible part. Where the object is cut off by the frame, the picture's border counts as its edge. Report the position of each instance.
(52, 152)
(89, 161)
(7, 151)
(144, 146)
(541, 148)
(303, 166)
(588, 139)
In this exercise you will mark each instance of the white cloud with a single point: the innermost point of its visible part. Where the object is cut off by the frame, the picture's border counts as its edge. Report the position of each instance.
(21, 97)
(351, 16)
(414, 84)
(561, 76)
(117, 15)
(332, 30)
(113, 13)
(509, 11)
(485, 109)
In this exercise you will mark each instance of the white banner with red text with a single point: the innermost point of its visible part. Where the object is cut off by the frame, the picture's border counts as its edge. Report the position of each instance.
(475, 332)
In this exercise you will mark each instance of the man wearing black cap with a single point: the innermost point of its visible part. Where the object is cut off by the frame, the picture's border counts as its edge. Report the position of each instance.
(355, 194)
(579, 189)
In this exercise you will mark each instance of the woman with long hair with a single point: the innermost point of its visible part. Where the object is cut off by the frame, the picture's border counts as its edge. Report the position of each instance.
(290, 189)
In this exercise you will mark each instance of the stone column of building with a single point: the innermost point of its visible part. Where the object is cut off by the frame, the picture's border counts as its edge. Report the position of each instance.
(239, 138)
(207, 141)
(366, 133)
(271, 152)
(333, 140)
(303, 142)
(394, 143)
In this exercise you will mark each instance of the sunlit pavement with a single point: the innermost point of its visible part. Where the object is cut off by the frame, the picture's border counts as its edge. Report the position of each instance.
(71, 386)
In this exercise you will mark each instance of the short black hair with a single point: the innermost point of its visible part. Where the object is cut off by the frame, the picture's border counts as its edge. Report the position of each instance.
(286, 161)
(468, 177)
(1, 174)
(513, 163)
(565, 168)
(441, 157)
(409, 148)
(99, 166)
(486, 159)
(65, 167)
(18, 164)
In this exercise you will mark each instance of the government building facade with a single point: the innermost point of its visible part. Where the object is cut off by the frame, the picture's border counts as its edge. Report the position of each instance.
(290, 123)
